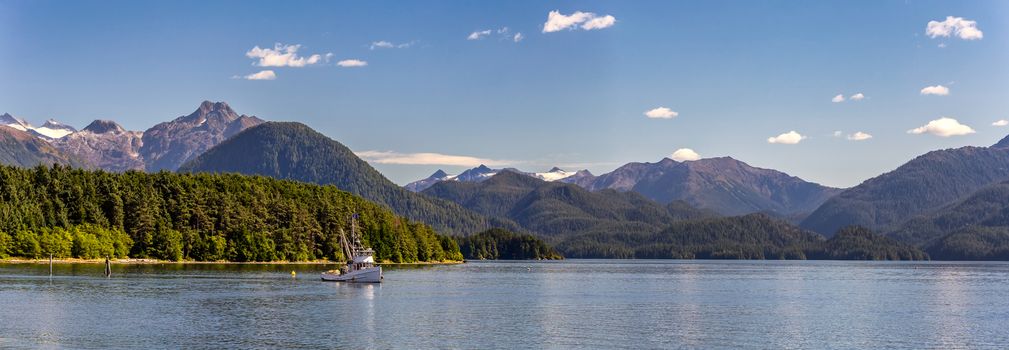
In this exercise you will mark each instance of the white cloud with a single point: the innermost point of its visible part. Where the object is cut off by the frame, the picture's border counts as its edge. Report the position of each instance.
(684, 154)
(938, 90)
(518, 37)
(943, 127)
(838, 133)
(661, 113)
(857, 97)
(283, 56)
(962, 28)
(261, 75)
(600, 23)
(788, 138)
(859, 136)
(588, 21)
(382, 44)
(837, 99)
(352, 63)
(1000, 122)
(389, 157)
(477, 35)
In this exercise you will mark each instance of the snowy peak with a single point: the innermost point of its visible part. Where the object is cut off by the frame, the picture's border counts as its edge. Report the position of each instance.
(477, 174)
(440, 174)
(49, 131)
(53, 129)
(483, 173)
(14, 122)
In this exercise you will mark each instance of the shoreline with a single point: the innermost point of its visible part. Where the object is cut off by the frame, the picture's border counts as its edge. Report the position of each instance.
(157, 261)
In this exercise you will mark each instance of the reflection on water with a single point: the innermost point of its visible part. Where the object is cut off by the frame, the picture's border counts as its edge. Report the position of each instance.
(506, 305)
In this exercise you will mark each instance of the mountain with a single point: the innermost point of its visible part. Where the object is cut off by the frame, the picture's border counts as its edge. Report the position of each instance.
(19, 148)
(168, 145)
(925, 183)
(582, 178)
(52, 129)
(105, 144)
(629, 175)
(725, 185)
(423, 184)
(296, 152)
(973, 228)
(562, 211)
(483, 172)
(14, 122)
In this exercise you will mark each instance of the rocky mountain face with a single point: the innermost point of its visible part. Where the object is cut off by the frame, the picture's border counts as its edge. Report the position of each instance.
(167, 145)
(106, 145)
(732, 187)
(629, 175)
(923, 184)
(20, 148)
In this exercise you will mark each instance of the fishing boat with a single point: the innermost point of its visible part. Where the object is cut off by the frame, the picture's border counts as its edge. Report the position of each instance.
(361, 266)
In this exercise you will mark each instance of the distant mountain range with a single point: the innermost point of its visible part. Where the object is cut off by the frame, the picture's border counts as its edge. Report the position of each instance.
(724, 185)
(482, 173)
(950, 203)
(106, 145)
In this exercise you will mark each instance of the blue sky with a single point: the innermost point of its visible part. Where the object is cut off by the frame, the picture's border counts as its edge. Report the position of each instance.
(735, 72)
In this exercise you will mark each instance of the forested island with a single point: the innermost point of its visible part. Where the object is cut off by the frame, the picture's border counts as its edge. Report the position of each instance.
(500, 244)
(76, 213)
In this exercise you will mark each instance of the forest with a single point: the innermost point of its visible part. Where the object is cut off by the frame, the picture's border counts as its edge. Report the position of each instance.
(69, 212)
(500, 244)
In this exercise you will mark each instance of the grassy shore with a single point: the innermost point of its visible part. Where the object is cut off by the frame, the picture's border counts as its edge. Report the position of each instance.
(157, 261)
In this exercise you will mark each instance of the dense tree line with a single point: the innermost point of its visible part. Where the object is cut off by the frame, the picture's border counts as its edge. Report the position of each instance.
(202, 217)
(500, 244)
(754, 236)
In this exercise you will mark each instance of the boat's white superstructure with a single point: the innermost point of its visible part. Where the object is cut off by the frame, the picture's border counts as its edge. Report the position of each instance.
(361, 267)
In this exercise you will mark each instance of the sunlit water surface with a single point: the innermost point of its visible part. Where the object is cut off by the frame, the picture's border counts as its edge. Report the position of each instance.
(507, 305)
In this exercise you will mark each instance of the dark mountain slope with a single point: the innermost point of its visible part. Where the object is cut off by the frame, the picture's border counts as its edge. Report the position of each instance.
(296, 152)
(925, 183)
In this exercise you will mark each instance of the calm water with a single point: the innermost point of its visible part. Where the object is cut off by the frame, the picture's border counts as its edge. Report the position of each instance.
(506, 305)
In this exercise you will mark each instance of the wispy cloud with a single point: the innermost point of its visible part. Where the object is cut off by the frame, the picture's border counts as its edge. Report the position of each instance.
(857, 97)
(480, 34)
(389, 157)
(352, 63)
(283, 56)
(962, 28)
(788, 138)
(1000, 122)
(382, 44)
(937, 90)
(684, 154)
(859, 136)
(837, 99)
(503, 33)
(943, 127)
(661, 113)
(261, 75)
(585, 20)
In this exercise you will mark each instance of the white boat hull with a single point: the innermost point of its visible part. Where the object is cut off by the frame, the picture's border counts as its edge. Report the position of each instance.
(366, 275)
